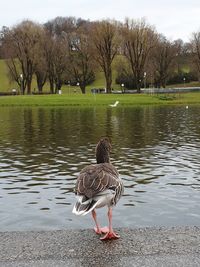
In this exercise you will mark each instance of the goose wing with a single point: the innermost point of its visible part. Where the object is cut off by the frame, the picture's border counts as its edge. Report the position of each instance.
(95, 179)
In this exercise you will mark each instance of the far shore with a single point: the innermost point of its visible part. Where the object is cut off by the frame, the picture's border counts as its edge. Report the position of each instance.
(98, 100)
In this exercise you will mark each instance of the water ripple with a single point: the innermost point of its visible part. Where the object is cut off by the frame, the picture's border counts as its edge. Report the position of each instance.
(156, 151)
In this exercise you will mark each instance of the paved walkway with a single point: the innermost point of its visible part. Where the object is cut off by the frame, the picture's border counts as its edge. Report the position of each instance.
(136, 247)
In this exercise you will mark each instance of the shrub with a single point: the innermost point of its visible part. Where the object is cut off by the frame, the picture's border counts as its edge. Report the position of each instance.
(179, 78)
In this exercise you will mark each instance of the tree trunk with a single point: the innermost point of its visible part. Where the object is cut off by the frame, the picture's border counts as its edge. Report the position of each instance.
(41, 79)
(51, 82)
(163, 84)
(138, 85)
(108, 76)
(28, 87)
(138, 90)
(58, 86)
(23, 89)
(40, 86)
(82, 89)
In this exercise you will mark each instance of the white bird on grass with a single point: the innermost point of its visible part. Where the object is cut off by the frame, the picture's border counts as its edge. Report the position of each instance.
(115, 104)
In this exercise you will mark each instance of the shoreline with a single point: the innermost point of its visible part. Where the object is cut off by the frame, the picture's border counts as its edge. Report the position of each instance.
(159, 246)
(89, 100)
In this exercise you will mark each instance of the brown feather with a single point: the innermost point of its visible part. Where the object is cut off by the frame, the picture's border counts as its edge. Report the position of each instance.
(94, 179)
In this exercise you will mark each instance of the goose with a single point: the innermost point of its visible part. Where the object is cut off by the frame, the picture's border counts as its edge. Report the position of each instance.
(97, 186)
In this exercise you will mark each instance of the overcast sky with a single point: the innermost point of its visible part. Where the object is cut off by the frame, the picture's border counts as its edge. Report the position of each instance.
(174, 18)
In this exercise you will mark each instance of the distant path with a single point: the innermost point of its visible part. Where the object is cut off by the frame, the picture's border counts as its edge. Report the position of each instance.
(171, 90)
(137, 247)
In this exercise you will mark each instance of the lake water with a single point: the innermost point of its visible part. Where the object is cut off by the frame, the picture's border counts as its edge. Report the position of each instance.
(155, 149)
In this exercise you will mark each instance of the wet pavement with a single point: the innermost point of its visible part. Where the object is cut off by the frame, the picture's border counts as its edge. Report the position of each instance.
(178, 246)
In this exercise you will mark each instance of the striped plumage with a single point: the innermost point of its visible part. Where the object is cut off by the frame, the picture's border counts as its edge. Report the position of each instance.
(94, 183)
(98, 185)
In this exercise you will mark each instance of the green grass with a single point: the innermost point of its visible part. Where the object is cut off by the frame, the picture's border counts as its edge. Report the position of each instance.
(97, 100)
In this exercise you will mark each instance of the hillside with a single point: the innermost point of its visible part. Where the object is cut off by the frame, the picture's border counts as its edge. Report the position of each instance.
(6, 85)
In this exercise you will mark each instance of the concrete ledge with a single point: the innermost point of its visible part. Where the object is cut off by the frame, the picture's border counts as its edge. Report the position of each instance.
(179, 246)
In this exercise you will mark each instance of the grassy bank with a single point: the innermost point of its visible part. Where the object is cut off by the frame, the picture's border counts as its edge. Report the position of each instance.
(99, 100)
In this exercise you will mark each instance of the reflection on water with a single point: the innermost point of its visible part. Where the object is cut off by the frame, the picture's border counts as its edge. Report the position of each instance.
(156, 151)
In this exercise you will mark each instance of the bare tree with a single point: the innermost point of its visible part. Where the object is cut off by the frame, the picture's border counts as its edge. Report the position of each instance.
(3, 33)
(180, 51)
(40, 69)
(61, 61)
(55, 61)
(48, 48)
(21, 51)
(80, 56)
(41, 74)
(195, 49)
(61, 24)
(139, 39)
(57, 51)
(106, 43)
(163, 60)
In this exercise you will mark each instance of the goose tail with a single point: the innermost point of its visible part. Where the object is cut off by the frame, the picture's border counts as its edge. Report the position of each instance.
(83, 207)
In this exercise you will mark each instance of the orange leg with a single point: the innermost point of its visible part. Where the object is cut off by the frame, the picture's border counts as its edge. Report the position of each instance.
(110, 234)
(98, 230)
